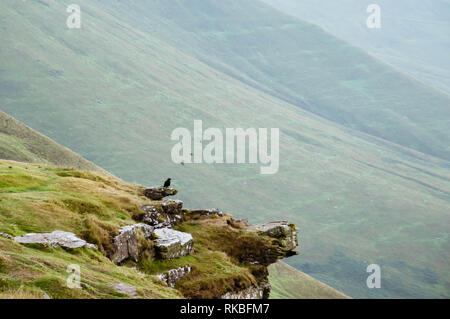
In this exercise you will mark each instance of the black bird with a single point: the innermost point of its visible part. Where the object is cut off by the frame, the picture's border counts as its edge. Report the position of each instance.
(167, 182)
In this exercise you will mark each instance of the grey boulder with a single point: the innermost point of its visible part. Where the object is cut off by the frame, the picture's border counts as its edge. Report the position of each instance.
(126, 244)
(54, 239)
(171, 243)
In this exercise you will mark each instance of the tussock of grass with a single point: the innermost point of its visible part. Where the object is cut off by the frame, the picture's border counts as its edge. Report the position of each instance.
(99, 233)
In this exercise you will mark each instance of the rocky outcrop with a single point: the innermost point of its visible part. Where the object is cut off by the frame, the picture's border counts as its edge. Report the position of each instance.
(55, 239)
(172, 206)
(171, 277)
(171, 243)
(276, 240)
(167, 213)
(168, 243)
(283, 231)
(199, 213)
(252, 292)
(126, 243)
(158, 193)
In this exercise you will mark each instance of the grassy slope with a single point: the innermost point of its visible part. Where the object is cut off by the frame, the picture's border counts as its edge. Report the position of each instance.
(39, 198)
(114, 95)
(302, 64)
(20, 143)
(14, 137)
(94, 205)
(414, 35)
(289, 283)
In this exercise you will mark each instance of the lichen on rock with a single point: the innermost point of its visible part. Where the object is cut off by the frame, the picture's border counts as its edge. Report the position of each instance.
(284, 231)
(171, 277)
(126, 243)
(171, 243)
(54, 239)
(158, 193)
(166, 213)
(261, 291)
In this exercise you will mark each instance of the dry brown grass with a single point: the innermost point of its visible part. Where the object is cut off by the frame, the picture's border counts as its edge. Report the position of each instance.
(99, 233)
(22, 293)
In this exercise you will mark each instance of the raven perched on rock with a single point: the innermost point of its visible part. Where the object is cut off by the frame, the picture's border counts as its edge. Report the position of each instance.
(167, 182)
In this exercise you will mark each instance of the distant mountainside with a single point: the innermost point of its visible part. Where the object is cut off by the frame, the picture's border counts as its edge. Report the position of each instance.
(414, 34)
(113, 91)
(301, 64)
(20, 143)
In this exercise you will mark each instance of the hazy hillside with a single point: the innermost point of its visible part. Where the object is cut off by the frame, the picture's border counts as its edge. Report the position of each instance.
(114, 94)
(289, 283)
(20, 143)
(301, 64)
(414, 34)
(283, 278)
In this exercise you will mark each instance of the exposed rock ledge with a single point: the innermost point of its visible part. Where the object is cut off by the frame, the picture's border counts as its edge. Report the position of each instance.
(158, 193)
(54, 239)
(283, 230)
(284, 241)
(259, 292)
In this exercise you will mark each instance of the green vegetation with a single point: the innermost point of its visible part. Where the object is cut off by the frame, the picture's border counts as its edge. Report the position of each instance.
(413, 37)
(94, 205)
(36, 199)
(40, 200)
(289, 283)
(300, 63)
(20, 143)
(113, 91)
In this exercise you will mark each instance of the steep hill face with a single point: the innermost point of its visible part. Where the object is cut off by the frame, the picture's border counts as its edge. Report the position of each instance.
(125, 245)
(114, 94)
(414, 34)
(20, 143)
(289, 283)
(300, 63)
